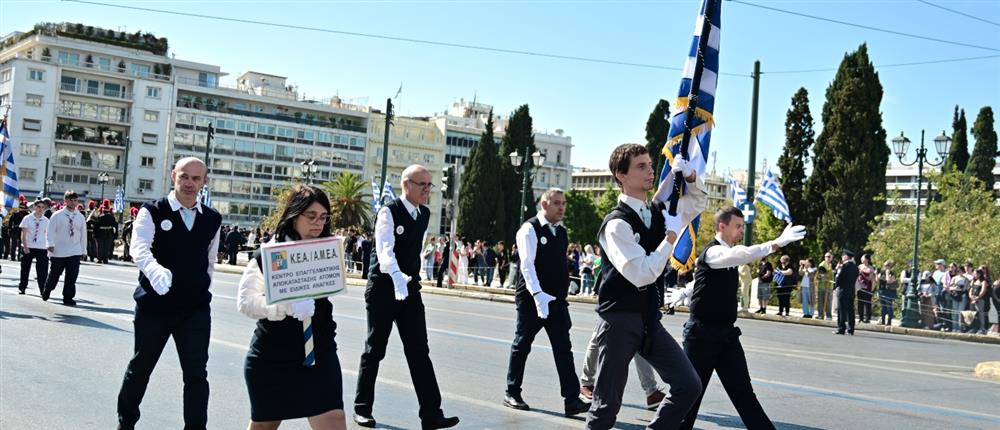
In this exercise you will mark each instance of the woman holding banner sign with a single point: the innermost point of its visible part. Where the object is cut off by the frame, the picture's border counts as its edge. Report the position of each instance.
(281, 383)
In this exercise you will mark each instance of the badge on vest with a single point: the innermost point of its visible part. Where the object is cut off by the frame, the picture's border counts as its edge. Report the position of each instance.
(400, 229)
(637, 238)
(544, 240)
(166, 225)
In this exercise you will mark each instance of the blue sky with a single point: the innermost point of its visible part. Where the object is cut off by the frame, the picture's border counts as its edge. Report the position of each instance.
(599, 105)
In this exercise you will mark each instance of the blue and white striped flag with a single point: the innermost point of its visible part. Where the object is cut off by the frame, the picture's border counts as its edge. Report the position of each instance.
(737, 193)
(701, 96)
(8, 172)
(770, 194)
(387, 194)
(205, 196)
(119, 205)
(376, 205)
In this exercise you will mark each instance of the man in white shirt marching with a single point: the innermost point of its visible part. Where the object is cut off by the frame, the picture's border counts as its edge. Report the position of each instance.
(66, 241)
(34, 230)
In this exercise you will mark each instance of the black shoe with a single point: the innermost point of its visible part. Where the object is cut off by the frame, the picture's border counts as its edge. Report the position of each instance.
(20, 291)
(515, 402)
(838, 332)
(364, 420)
(670, 311)
(850, 332)
(45, 295)
(575, 406)
(439, 423)
(807, 316)
(69, 302)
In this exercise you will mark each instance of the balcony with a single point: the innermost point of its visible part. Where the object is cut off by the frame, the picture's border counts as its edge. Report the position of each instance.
(93, 112)
(103, 137)
(211, 107)
(96, 91)
(113, 69)
(87, 164)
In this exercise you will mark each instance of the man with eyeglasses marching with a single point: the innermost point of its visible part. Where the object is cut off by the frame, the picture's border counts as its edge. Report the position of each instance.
(393, 296)
(66, 241)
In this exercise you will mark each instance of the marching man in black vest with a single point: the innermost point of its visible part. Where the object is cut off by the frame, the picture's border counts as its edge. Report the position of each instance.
(174, 243)
(541, 302)
(638, 241)
(393, 296)
(711, 340)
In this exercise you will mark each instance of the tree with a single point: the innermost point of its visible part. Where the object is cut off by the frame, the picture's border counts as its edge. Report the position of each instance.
(657, 128)
(958, 155)
(847, 184)
(982, 162)
(481, 209)
(606, 202)
(582, 220)
(799, 137)
(348, 207)
(517, 137)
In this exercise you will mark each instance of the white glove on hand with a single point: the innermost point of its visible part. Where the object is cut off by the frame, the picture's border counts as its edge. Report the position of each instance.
(542, 304)
(161, 280)
(399, 282)
(302, 309)
(792, 233)
(674, 223)
(680, 165)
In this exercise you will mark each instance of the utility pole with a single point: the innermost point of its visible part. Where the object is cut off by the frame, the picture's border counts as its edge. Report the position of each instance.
(751, 168)
(128, 144)
(385, 152)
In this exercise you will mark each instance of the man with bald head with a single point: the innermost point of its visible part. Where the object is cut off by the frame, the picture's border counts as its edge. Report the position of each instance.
(393, 296)
(174, 244)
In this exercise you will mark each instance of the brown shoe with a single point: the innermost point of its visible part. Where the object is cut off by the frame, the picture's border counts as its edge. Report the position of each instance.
(653, 400)
(587, 393)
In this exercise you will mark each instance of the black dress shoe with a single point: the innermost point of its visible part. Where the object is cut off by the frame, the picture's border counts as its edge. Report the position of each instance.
(364, 420)
(45, 295)
(850, 332)
(838, 332)
(515, 402)
(575, 406)
(439, 423)
(69, 302)
(20, 291)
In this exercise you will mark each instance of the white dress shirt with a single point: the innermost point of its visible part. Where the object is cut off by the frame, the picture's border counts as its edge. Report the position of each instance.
(722, 256)
(34, 230)
(622, 248)
(58, 236)
(385, 240)
(143, 230)
(527, 246)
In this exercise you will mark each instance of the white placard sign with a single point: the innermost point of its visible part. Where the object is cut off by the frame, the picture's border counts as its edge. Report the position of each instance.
(303, 269)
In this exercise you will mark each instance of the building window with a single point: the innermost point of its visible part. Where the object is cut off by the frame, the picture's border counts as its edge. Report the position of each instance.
(152, 116)
(145, 185)
(36, 75)
(5, 75)
(104, 63)
(428, 158)
(32, 124)
(69, 58)
(4, 98)
(140, 70)
(153, 92)
(24, 174)
(149, 138)
(146, 162)
(33, 100)
(29, 149)
(558, 157)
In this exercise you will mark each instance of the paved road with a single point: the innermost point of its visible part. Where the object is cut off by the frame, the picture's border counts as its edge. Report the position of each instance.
(60, 368)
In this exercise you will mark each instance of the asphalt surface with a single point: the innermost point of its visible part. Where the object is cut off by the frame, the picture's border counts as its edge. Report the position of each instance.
(61, 367)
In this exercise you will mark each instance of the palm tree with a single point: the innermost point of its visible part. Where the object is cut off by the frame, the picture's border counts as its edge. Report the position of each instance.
(347, 201)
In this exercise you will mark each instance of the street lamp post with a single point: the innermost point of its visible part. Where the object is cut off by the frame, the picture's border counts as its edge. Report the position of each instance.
(525, 171)
(309, 170)
(942, 143)
(103, 179)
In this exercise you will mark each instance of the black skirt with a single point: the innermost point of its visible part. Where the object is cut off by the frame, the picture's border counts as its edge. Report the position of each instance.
(280, 386)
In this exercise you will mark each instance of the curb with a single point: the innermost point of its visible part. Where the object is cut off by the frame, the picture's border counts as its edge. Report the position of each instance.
(988, 370)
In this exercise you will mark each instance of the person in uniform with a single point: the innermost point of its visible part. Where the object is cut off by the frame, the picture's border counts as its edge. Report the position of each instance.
(847, 276)
(280, 385)
(92, 245)
(540, 297)
(66, 241)
(127, 234)
(174, 243)
(637, 240)
(17, 215)
(393, 296)
(711, 338)
(34, 229)
(107, 229)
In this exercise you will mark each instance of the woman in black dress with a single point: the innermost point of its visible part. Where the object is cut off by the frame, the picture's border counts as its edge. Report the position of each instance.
(280, 385)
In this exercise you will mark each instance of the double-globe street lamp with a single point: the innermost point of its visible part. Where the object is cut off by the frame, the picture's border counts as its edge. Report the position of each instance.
(309, 170)
(901, 145)
(521, 166)
(103, 178)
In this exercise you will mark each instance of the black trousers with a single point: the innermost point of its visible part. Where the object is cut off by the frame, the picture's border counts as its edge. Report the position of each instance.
(784, 299)
(383, 310)
(191, 330)
(72, 267)
(714, 348)
(106, 247)
(864, 305)
(845, 310)
(15, 243)
(233, 251)
(557, 326)
(41, 257)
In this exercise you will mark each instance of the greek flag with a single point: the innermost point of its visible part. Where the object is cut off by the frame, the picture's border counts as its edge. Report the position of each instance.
(770, 194)
(8, 172)
(737, 193)
(386, 195)
(693, 110)
(205, 196)
(119, 200)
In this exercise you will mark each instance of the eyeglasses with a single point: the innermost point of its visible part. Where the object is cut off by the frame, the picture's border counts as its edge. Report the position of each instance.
(424, 185)
(313, 217)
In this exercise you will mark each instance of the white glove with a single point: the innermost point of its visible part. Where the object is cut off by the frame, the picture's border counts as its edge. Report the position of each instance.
(791, 234)
(680, 165)
(399, 282)
(161, 280)
(302, 309)
(674, 223)
(542, 304)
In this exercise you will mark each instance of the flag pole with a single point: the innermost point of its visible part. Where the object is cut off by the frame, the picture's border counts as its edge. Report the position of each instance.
(706, 28)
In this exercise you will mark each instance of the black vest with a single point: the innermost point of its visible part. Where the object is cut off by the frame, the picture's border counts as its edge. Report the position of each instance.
(185, 253)
(409, 237)
(550, 262)
(615, 293)
(714, 299)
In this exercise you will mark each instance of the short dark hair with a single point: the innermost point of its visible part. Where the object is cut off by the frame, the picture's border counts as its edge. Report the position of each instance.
(70, 195)
(302, 196)
(726, 214)
(622, 157)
